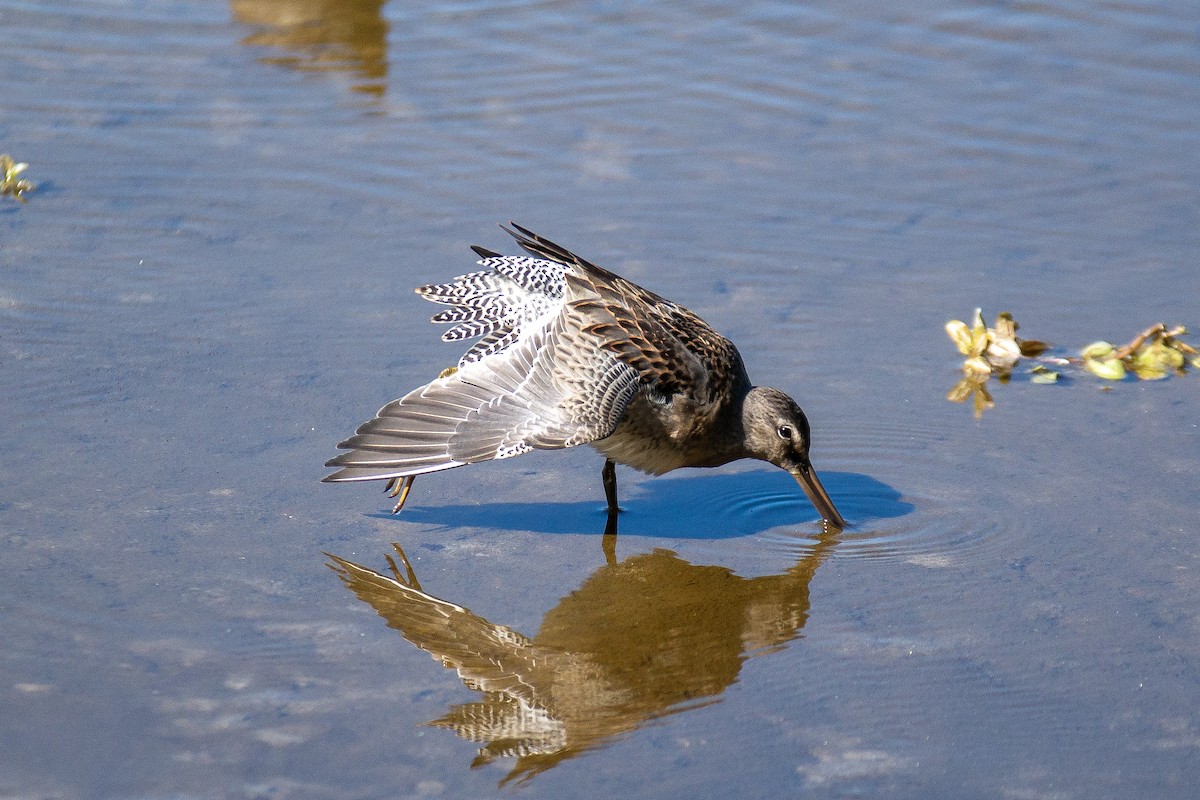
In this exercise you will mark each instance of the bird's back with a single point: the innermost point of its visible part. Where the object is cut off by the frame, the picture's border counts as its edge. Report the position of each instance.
(672, 348)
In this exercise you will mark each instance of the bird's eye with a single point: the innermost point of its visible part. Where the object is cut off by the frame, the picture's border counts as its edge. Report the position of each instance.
(785, 432)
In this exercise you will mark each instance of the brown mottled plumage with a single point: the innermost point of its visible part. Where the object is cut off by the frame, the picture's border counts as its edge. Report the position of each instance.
(571, 354)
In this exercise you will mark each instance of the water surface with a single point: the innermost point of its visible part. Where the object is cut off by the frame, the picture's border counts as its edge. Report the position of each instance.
(212, 286)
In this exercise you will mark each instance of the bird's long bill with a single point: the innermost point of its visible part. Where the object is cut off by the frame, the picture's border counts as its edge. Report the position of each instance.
(806, 476)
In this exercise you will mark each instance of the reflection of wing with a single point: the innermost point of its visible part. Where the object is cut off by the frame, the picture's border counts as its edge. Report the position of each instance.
(516, 716)
(509, 728)
(540, 705)
(487, 657)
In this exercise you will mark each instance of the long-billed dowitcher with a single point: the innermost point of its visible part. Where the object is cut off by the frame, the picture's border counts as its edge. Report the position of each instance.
(572, 354)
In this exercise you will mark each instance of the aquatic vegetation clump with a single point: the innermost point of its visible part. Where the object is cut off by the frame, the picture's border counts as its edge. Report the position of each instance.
(1153, 354)
(991, 351)
(10, 184)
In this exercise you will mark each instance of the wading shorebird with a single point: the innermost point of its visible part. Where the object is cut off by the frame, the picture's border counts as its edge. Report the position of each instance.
(572, 354)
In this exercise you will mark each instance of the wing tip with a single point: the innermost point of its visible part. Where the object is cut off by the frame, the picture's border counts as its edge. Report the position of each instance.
(484, 253)
(334, 477)
(541, 247)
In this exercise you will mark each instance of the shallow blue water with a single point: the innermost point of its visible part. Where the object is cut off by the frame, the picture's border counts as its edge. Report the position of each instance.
(211, 287)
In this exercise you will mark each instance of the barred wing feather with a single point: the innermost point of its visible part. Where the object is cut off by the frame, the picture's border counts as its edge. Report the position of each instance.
(551, 386)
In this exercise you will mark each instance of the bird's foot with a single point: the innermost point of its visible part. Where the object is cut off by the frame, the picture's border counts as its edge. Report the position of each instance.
(401, 487)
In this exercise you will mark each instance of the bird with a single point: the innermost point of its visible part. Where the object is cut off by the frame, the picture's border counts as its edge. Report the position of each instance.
(568, 353)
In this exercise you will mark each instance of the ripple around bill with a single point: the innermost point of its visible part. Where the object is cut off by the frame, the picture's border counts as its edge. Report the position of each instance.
(916, 530)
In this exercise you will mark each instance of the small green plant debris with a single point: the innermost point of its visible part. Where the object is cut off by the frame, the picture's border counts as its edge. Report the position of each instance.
(1042, 374)
(11, 185)
(1152, 355)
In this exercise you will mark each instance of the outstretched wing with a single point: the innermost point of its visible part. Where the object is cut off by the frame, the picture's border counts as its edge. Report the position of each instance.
(536, 380)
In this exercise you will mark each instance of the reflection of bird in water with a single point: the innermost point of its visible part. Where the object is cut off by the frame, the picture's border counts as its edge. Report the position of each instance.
(324, 35)
(572, 354)
(641, 639)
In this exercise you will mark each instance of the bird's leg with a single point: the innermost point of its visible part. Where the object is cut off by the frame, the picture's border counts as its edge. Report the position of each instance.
(399, 486)
(610, 529)
(610, 485)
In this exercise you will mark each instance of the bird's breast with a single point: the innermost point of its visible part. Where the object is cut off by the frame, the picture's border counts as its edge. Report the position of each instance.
(657, 437)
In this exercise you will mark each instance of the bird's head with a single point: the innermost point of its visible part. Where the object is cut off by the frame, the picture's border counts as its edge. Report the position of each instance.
(777, 431)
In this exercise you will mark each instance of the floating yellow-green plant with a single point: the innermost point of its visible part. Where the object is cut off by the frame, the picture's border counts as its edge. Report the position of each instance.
(10, 184)
(1100, 359)
(991, 350)
(1154, 354)
(1042, 374)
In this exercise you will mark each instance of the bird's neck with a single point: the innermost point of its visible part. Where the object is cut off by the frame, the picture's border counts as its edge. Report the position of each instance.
(728, 439)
